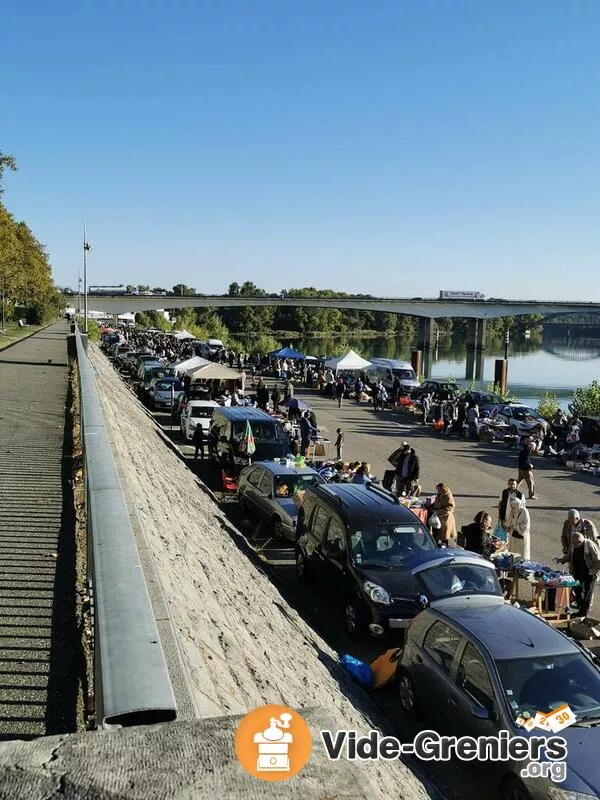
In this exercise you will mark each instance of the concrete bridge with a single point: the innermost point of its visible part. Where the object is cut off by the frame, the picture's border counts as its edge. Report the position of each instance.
(416, 307)
(427, 310)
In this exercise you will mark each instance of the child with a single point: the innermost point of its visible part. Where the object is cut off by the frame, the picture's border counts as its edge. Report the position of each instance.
(339, 444)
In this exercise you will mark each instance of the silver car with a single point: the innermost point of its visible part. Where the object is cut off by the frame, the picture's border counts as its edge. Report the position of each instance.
(520, 419)
(273, 493)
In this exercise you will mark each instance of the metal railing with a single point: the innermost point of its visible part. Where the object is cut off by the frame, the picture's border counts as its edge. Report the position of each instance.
(132, 683)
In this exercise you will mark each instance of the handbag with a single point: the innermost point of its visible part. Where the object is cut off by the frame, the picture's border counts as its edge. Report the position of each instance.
(501, 533)
(435, 521)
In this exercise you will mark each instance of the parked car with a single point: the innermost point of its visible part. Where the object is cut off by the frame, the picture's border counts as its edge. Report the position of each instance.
(521, 419)
(486, 401)
(354, 540)
(443, 390)
(226, 438)
(196, 412)
(149, 372)
(476, 666)
(163, 391)
(142, 358)
(274, 493)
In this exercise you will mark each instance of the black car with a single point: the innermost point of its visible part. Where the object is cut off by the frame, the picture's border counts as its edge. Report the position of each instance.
(485, 401)
(442, 390)
(355, 540)
(227, 437)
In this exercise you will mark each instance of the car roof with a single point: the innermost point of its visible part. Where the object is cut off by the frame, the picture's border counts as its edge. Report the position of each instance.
(393, 363)
(241, 414)
(203, 403)
(505, 631)
(364, 503)
(280, 469)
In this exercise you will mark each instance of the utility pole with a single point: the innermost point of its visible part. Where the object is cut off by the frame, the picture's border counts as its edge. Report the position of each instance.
(86, 249)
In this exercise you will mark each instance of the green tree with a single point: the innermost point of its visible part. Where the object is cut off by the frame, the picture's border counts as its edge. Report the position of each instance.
(6, 162)
(182, 290)
(586, 401)
(548, 405)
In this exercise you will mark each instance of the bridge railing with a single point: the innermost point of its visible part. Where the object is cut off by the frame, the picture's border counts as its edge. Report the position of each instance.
(132, 683)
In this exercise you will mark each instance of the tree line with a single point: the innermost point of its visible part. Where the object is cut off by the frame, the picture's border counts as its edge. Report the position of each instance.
(26, 286)
(251, 320)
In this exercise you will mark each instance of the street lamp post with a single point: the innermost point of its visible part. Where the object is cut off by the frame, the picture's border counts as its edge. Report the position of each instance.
(86, 250)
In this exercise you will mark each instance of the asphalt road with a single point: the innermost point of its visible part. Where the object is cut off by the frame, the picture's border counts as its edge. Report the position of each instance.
(476, 472)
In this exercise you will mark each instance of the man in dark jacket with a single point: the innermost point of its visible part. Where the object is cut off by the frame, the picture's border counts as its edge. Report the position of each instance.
(276, 398)
(306, 433)
(262, 396)
(407, 471)
(526, 469)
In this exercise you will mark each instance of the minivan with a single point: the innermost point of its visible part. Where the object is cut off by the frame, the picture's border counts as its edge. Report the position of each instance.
(388, 369)
(227, 437)
(353, 541)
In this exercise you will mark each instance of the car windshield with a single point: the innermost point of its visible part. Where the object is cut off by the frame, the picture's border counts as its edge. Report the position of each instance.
(165, 386)
(388, 545)
(404, 374)
(523, 413)
(289, 485)
(456, 579)
(545, 683)
(201, 412)
(263, 432)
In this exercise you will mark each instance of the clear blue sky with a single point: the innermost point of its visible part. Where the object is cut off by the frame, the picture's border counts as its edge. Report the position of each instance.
(388, 147)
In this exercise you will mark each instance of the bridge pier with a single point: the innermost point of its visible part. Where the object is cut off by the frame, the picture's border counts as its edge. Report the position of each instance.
(426, 342)
(475, 349)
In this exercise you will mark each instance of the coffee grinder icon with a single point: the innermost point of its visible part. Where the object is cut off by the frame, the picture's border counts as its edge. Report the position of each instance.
(273, 745)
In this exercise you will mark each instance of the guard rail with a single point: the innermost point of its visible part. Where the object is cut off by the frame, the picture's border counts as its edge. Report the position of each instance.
(132, 683)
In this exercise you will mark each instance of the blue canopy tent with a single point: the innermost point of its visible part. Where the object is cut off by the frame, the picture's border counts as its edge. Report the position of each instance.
(287, 352)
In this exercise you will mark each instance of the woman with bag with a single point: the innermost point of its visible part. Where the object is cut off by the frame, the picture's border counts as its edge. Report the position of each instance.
(443, 508)
(518, 526)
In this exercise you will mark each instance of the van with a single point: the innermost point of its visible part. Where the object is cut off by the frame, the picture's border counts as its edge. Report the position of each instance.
(207, 349)
(388, 369)
(227, 433)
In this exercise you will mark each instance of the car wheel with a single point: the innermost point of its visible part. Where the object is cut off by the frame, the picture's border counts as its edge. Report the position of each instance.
(407, 694)
(277, 528)
(514, 789)
(355, 619)
(302, 566)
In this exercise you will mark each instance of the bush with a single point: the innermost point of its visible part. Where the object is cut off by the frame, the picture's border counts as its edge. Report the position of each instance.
(507, 396)
(258, 345)
(548, 405)
(586, 401)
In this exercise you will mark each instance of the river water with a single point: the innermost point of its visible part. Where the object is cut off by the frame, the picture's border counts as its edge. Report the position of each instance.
(556, 365)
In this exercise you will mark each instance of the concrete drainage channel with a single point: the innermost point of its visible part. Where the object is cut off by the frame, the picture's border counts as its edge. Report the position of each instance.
(259, 552)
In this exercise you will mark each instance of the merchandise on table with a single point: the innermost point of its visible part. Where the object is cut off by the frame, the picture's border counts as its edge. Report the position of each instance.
(541, 574)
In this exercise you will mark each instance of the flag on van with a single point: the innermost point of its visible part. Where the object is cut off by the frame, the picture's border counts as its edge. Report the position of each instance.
(248, 441)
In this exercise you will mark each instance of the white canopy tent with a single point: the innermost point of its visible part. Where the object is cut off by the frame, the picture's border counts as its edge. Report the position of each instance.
(348, 362)
(190, 363)
(213, 371)
(183, 335)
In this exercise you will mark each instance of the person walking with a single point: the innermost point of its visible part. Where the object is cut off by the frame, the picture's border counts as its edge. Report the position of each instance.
(198, 440)
(340, 388)
(339, 444)
(583, 558)
(518, 527)
(473, 419)
(426, 406)
(288, 390)
(407, 471)
(262, 395)
(276, 397)
(526, 469)
(379, 396)
(574, 523)
(444, 506)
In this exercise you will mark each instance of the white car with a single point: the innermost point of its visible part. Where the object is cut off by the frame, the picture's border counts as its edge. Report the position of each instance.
(196, 411)
(521, 419)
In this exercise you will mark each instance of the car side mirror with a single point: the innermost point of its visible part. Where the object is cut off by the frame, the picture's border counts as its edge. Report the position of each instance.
(479, 712)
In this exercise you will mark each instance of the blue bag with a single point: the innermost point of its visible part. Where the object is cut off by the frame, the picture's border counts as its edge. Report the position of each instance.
(359, 670)
(500, 533)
